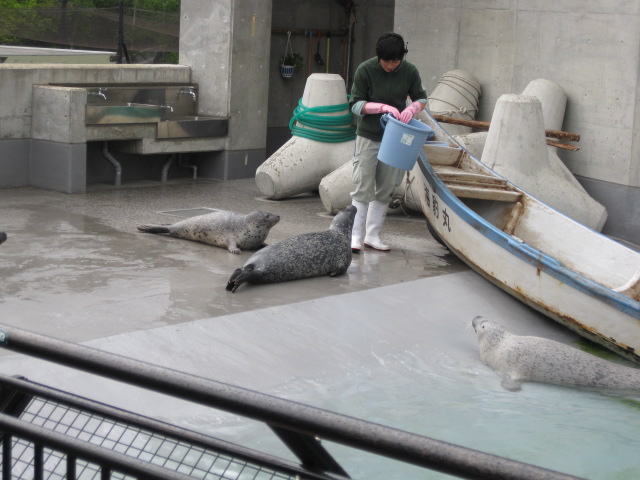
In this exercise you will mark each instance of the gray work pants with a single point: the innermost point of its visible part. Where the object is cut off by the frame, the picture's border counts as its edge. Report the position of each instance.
(373, 179)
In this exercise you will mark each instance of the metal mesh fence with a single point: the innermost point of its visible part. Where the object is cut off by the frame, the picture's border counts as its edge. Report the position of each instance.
(91, 28)
(139, 443)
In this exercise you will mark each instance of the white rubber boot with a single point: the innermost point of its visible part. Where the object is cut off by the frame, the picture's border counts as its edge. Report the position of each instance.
(375, 219)
(359, 223)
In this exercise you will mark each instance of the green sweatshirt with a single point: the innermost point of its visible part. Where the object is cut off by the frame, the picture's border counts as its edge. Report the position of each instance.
(372, 84)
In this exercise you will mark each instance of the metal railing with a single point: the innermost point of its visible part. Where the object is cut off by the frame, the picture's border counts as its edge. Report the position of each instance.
(42, 408)
(299, 426)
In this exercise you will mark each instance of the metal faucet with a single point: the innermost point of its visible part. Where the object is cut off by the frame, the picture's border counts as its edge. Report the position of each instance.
(188, 91)
(168, 107)
(100, 93)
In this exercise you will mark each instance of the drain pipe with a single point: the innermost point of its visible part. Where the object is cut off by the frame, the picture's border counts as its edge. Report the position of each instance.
(114, 162)
(166, 166)
(186, 165)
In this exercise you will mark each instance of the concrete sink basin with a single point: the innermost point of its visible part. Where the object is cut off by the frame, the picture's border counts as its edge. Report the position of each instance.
(172, 109)
(192, 126)
(100, 114)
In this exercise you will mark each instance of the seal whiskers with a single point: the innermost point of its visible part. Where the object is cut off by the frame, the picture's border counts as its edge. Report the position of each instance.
(303, 256)
(230, 230)
(534, 359)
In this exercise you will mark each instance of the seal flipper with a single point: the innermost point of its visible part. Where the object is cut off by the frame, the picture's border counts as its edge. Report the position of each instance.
(511, 384)
(239, 276)
(233, 247)
(153, 228)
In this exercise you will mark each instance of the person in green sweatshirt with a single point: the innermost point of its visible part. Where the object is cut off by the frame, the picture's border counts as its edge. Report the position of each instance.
(380, 85)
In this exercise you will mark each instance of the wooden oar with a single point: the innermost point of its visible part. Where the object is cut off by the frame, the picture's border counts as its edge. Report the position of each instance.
(573, 137)
(573, 148)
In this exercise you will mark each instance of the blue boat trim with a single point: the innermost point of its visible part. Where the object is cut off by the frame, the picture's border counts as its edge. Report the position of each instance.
(526, 252)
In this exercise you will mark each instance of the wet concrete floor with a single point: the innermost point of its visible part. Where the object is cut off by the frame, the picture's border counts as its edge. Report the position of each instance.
(75, 266)
(388, 342)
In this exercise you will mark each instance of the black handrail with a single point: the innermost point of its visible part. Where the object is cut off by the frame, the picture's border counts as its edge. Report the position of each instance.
(389, 442)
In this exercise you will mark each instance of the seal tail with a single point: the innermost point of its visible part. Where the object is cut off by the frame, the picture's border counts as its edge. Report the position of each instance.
(3, 237)
(238, 277)
(153, 228)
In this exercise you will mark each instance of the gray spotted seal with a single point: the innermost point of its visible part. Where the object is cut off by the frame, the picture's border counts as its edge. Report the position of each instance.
(230, 230)
(3, 237)
(303, 256)
(533, 359)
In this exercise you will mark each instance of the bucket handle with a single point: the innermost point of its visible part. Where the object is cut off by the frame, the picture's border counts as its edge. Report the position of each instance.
(384, 120)
(383, 123)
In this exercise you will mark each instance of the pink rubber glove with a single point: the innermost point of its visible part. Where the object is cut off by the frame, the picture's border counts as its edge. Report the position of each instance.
(371, 107)
(409, 112)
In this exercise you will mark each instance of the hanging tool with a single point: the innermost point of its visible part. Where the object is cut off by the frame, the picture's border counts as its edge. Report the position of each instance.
(328, 50)
(318, 57)
(310, 51)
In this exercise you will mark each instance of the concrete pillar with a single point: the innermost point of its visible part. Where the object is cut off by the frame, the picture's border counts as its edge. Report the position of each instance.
(227, 44)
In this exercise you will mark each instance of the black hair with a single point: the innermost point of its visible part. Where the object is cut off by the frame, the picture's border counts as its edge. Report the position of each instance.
(390, 46)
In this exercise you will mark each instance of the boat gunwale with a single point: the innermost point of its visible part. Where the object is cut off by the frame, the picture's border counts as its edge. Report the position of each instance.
(517, 247)
(526, 252)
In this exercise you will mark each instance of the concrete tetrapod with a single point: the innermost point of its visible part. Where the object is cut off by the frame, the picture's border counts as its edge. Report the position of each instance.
(553, 182)
(573, 200)
(516, 149)
(301, 163)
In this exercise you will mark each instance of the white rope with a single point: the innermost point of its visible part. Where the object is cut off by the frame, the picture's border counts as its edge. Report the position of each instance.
(463, 92)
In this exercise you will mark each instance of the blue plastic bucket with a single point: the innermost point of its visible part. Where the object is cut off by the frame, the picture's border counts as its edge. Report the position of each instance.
(401, 142)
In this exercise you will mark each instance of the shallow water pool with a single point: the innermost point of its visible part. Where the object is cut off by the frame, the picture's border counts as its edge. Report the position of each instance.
(404, 356)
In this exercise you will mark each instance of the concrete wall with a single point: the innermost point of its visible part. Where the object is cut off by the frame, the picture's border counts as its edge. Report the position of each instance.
(371, 19)
(590, 48)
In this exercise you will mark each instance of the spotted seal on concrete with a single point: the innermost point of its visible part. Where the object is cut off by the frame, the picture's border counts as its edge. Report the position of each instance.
(230, 230)
(534, 359)
(3, 237)
(303, 256)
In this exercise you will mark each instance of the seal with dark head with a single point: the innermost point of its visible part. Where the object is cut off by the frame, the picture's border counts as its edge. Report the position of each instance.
(534, 359)
(230, 230)
(303, 256)
(3, 237)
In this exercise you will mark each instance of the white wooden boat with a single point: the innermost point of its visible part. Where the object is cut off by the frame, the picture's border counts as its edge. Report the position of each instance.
(575, 275)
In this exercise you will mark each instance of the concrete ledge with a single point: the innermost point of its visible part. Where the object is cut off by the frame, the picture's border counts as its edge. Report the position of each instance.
(115, 132)
(229, 165)
(58, 114)
(14, 163)
(59, 166)
(150, 145)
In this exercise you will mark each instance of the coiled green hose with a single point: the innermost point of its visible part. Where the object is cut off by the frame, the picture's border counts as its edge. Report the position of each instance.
(328, 129)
